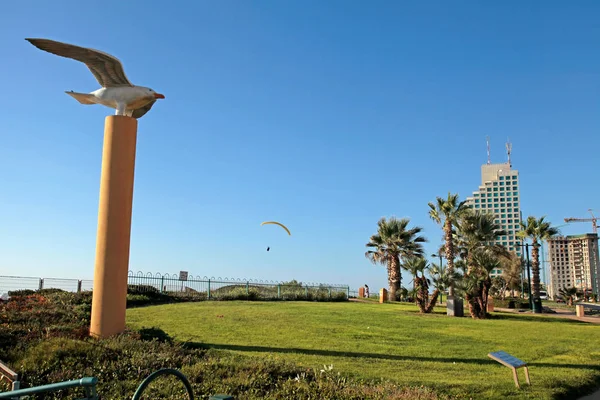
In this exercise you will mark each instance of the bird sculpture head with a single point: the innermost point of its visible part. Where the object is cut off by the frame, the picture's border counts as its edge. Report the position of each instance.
(151, 93)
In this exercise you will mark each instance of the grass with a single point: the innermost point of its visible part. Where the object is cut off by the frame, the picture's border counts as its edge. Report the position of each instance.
(371, 342)
(554, 304)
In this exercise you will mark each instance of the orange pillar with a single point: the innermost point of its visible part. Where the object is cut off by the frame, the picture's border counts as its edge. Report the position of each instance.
(383, 295)
(114, 227)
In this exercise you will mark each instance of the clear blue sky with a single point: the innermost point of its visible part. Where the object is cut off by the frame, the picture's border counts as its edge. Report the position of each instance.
(325, 115)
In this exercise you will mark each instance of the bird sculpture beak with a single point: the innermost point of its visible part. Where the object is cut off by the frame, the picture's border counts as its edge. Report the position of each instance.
(159, 96)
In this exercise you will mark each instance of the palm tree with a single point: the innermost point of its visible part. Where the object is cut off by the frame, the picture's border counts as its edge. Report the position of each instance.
(441, 281)
(392, 241)
(476, 230)
(475, 236)
(414, 265)
(476, 283)
(568, 294)
(446, 212)
(537, 230)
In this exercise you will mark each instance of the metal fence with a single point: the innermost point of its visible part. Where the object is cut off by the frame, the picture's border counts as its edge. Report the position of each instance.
(231, 288)
(11, 283)
(199, 288)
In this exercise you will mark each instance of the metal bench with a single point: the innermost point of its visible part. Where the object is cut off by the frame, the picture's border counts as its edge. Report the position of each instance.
(89, 384)
(581, 307)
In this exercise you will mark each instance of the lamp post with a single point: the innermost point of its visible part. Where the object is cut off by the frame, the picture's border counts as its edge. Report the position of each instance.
(526, 245)
(522, 274)
(439, 254)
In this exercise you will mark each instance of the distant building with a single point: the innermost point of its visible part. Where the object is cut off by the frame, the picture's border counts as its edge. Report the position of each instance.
(499, 194)
(574, 262)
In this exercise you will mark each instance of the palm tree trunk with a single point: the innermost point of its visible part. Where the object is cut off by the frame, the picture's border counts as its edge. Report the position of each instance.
(484, 297)
(422, 295)
(393, 278)
(449, 253)
(472, 308)
(432, 303)
(535, 270)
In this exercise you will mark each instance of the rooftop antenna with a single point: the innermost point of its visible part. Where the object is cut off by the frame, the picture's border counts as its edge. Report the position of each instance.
(508, 150)
(487, 139)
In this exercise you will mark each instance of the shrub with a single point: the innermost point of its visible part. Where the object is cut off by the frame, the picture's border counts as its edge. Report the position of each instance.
(45, 339)
(511, 303)
(22, 292)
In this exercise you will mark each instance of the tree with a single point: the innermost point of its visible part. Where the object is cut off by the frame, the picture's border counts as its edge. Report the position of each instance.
(479, 230)
(477, 281)
(441, 280)
(416, 265)
(446, 212)
(568, 294)
(512, 268)
(498, 287)
(392, 241)
(476, 236)
(537, 230)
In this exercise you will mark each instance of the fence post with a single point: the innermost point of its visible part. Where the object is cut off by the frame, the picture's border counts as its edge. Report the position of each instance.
(278, 291)
(247, 289)
(329, 292)
(79, 286)
(162, 284)
(41, 284)
(306, 291)
(348, 295)
(208, 292)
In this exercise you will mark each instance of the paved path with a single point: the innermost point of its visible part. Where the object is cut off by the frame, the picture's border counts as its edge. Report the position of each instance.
(560, 313)
(593, 396)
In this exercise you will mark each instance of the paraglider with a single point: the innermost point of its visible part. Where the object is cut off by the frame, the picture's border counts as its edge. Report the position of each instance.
(276, 223)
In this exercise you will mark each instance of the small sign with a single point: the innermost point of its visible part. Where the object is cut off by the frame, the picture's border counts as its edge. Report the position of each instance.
(183, 275)
(511, 362)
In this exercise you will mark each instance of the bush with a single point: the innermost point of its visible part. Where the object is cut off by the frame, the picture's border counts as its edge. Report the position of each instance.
(22, 292)
(45, 339)
(512, 303)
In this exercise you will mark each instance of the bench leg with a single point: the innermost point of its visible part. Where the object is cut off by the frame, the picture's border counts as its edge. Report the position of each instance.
(527, 375)
(514, 370)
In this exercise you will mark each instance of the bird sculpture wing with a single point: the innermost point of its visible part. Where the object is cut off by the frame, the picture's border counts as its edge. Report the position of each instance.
(140, 112)
(106, 68)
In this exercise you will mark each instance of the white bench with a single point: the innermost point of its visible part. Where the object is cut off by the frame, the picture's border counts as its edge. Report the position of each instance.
(581, 307)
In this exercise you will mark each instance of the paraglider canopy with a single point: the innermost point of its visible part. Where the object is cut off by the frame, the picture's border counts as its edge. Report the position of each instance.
(277, 223)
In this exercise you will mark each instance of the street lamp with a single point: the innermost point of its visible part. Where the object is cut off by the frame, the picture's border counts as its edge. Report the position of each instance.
(526, 245)
(439, 254)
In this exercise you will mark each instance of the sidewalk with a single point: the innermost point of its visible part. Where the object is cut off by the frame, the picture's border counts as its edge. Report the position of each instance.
(560, 313)
(593, 396)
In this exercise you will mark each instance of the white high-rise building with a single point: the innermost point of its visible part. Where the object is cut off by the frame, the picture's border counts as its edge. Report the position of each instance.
(574, 262)
(499, 195)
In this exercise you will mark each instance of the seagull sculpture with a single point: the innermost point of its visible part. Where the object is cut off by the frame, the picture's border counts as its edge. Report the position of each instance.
(116, 92)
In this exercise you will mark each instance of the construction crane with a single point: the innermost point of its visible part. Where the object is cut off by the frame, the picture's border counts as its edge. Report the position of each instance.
(594, 220)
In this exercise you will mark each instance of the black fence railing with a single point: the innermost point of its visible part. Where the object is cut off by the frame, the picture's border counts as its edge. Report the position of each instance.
(197, 288)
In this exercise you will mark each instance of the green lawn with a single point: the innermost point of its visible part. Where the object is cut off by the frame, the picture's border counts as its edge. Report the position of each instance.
(392, 341)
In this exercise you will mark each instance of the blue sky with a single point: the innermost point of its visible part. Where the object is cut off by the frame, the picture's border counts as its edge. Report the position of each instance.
(325, 115)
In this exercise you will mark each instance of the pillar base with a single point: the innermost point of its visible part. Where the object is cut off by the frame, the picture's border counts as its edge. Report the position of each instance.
(109, 297)
(537, 306)
(455, 307)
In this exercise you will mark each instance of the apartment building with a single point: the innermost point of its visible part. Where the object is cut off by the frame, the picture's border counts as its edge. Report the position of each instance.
(574, 262)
